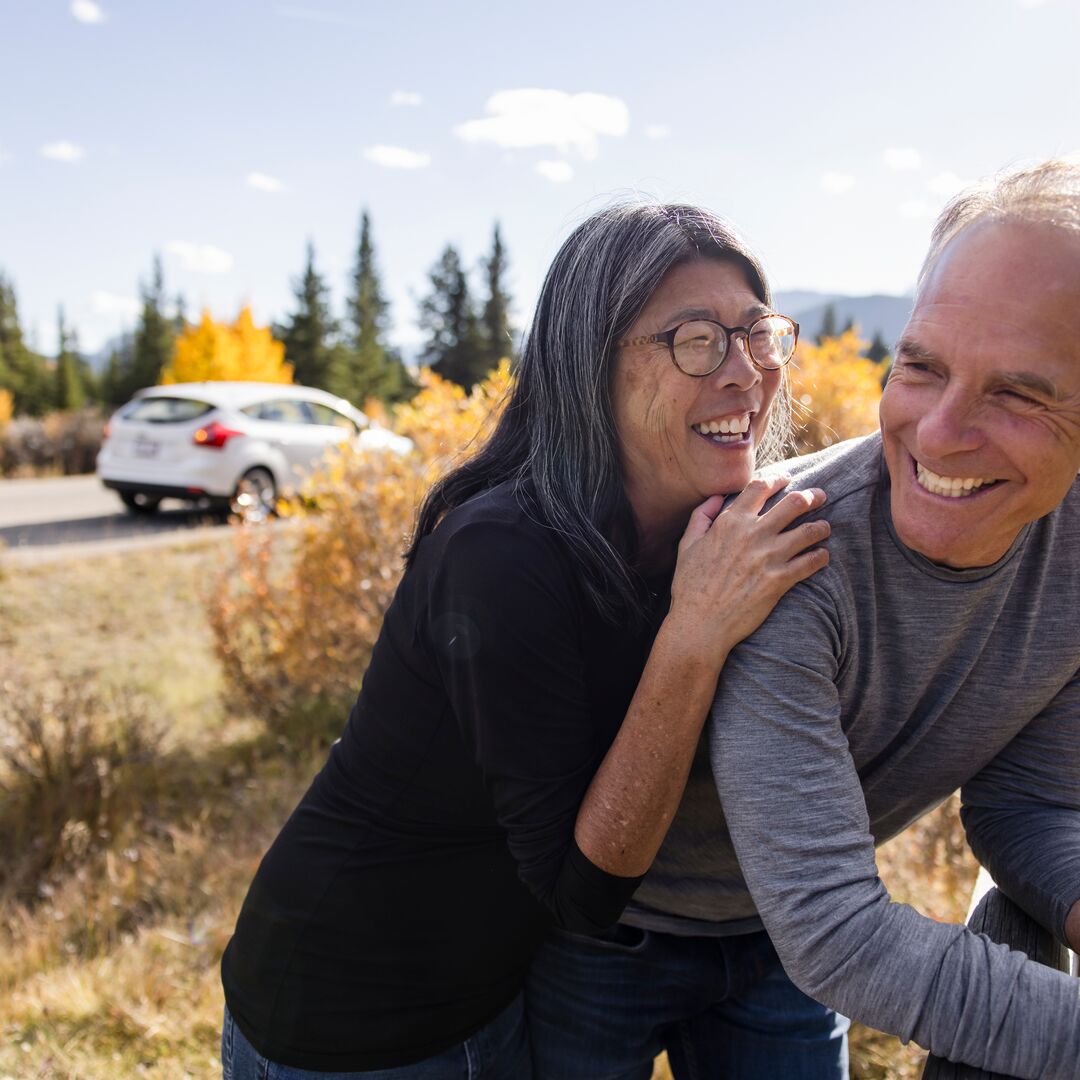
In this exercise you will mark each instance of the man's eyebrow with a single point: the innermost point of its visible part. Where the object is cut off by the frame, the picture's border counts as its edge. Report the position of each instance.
(1030, 380)
(1021, 380)
(912, 349)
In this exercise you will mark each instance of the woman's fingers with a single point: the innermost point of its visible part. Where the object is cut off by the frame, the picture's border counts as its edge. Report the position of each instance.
(701, 520)
(757, 493)
(803, 536)
(806, 565)
(793, 505)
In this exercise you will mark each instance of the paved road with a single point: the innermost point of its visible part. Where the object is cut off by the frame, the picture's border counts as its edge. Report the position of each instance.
(69, 515)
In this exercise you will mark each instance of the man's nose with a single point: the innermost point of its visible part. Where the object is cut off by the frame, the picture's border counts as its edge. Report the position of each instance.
(949, 426)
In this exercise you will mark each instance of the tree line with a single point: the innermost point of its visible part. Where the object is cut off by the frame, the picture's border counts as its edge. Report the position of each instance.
(466, 334)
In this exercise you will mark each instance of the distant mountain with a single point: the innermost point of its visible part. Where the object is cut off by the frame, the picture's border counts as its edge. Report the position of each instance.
(871, 314)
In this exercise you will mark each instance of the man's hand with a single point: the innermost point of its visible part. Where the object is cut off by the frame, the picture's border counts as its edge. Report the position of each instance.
(1072, 928)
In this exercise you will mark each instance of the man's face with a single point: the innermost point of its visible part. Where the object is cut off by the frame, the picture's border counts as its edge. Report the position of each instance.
(981, 416)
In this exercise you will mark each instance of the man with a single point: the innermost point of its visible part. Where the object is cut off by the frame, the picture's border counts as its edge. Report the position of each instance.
(939, 649)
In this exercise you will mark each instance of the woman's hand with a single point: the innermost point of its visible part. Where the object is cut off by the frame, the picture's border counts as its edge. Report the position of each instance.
(734, 564)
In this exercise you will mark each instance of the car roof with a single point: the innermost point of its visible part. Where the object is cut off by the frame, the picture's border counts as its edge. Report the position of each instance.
(239, 394)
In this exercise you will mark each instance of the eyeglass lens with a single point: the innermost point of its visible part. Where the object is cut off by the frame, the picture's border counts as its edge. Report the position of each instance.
(700, 346)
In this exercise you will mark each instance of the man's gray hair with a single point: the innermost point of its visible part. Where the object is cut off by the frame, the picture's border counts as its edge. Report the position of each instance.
(556, 439)
(1043, 194)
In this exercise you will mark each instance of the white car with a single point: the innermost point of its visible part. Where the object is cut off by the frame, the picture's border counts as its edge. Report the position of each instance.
(229, 444)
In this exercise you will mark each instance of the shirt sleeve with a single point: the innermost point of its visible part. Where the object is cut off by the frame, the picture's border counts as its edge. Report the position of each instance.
(505, 625)
(1022, 813)
(798, 821)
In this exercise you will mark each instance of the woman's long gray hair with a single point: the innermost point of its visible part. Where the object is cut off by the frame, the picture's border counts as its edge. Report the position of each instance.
(556, 438)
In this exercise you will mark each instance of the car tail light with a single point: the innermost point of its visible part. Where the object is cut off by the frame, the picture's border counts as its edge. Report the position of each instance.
(215, 435)
(105, 430)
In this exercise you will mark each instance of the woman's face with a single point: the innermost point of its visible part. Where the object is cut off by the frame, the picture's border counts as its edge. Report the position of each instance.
(674, 455)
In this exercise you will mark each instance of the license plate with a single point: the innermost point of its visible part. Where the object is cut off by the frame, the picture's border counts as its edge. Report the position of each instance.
(146, 448)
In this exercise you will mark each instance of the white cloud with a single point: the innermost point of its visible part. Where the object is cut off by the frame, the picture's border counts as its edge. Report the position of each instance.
(63, 151)
(558, 172)
(86, 11)
(837, 183)
(397, 157)
(201, 258)
(902, 158)
(532, 117)
(657, 131)
(947, 184)
(262, 182)
(917, 208)
(106, 303)
(405, 97)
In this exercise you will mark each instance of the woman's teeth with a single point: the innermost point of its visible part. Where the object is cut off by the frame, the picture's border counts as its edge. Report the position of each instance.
(951, 486)
(730, 429)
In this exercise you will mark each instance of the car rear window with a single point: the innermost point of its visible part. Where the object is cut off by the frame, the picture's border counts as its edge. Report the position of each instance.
(166, 410)
(280, 411)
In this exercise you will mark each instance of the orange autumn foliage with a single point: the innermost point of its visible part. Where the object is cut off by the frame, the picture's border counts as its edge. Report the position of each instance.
(209, 351)
(835, 391)
(295, 619)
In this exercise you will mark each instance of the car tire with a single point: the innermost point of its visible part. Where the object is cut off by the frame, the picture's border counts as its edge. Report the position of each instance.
(138, 503)
(255, 497)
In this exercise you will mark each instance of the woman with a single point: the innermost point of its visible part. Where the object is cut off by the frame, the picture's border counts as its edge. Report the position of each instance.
(526, 724)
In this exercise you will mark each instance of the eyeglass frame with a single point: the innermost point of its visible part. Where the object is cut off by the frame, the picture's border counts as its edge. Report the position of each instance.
(667, 337)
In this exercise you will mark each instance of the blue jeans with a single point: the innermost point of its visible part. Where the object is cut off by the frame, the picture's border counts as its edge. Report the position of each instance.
(601, 1008)
(498, 1051)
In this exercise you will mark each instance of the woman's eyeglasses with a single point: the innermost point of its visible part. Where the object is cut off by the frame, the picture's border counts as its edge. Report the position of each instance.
(700, 346)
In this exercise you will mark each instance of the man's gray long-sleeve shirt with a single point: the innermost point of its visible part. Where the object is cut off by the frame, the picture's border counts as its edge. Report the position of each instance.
(874, 690)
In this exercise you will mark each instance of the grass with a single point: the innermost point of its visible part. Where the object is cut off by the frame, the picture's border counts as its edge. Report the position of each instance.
(109, 948)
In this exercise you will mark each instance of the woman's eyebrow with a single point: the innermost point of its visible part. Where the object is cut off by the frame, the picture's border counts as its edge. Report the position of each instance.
(685, 314)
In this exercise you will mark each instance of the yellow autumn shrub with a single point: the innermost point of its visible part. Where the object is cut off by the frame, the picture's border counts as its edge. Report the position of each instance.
(835, 391)
(297, 614)
(209, 351)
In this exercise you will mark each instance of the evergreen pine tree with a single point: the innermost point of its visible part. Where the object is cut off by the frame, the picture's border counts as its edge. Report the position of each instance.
(878, 350)
(828, 324)
(498, 341)
(455, 347)
(366, 366)
(180, 321)
(68, 392)
(25, 373)
(114, 378)
(154, 336)
(307, 334)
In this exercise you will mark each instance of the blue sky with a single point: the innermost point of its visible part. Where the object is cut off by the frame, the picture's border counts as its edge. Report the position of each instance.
(225, 133)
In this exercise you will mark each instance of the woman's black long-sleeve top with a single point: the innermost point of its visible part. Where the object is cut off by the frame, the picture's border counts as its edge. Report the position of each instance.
(398, 909)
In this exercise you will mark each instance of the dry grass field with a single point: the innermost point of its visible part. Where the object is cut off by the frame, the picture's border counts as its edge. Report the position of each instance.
(134, 805)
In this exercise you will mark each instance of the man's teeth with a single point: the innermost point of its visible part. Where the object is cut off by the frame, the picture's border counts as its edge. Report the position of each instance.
(734, 427)
(950, 486)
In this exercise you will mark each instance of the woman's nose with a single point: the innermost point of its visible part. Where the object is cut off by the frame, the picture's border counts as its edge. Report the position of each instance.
(738, 368)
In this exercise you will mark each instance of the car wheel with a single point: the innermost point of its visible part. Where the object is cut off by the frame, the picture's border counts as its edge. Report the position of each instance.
(138, 503)
(255, 497)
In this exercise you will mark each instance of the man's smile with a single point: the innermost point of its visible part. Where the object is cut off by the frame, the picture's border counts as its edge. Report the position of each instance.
(953, 487)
